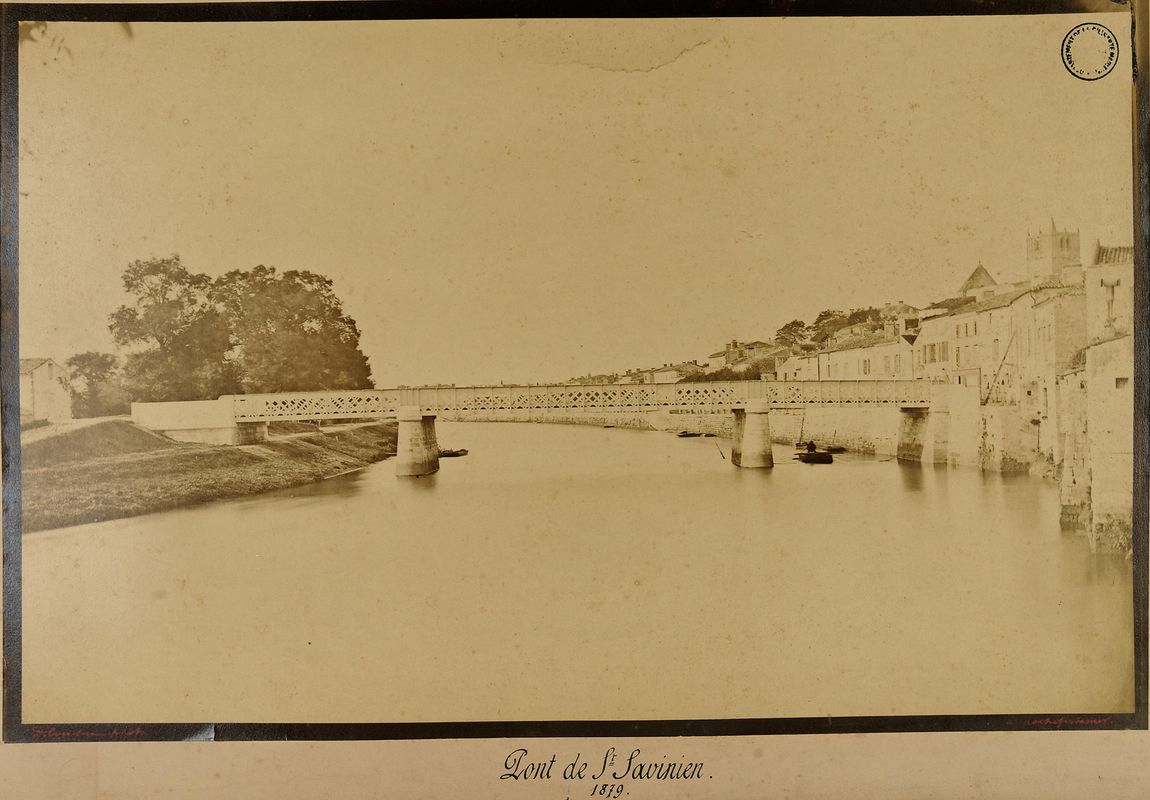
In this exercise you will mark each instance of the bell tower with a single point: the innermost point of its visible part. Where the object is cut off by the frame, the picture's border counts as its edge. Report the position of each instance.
(1053, 254)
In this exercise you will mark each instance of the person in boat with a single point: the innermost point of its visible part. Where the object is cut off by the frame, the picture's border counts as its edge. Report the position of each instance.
(810, 446)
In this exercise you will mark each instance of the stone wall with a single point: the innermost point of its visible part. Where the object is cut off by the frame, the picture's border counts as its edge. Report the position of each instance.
(1110, 445)
(203, 421)
(1008, 442)
(1074, 480)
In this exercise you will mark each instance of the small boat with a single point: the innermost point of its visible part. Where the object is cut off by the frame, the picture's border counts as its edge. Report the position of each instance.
(815, 457)
(452, 453)
(688, 435)
(830, 448)
(608, 426)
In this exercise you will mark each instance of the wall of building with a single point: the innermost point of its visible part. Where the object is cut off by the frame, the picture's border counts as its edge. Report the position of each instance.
(43, 394)
(1100, 281)
(933, 353)
(890, 360)
(1110, 442)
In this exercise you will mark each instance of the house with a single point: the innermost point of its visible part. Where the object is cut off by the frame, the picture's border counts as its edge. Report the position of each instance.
(736, 351)
(876, 355)
(673, 373)
(43, 390)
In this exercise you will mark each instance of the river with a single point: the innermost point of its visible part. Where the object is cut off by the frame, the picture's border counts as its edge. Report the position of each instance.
(567, 572)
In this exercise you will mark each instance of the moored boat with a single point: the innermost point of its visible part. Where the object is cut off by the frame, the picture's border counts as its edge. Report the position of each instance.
(815, 457)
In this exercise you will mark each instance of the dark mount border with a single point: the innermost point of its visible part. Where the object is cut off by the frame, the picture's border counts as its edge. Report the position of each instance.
(541, 9)
(14, 730)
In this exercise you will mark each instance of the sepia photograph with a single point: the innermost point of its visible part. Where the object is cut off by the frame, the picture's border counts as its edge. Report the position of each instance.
(570, 376)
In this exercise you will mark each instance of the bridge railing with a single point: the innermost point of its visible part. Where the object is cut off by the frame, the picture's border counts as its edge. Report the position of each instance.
(716, 395)
(647, 396)
(336, 404)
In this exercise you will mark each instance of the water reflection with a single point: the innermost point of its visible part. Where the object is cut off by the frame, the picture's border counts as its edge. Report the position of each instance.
(562, 572)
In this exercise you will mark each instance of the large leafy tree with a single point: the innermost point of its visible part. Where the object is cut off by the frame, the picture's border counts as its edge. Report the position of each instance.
(180, 340)
(290, 331)
(95, 385)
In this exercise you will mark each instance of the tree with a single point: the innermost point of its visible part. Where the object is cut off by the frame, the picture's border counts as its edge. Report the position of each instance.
(792, 334)
(95, 385)
(290, 331)
(870, 314)
(183, 339)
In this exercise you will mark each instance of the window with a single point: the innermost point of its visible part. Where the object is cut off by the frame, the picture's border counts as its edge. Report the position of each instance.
(897, 364)
(944, 351)
(886, 365)
(1121, 383)
(994, 350)
(958, 356)
(966, 329)
(976, 327)
(956, 333)
(931, 353)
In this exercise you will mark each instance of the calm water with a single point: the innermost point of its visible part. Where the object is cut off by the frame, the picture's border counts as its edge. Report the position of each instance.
(564, 572)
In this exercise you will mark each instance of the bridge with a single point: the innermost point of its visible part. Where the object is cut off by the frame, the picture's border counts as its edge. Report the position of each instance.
(243, 419)
(376, 403)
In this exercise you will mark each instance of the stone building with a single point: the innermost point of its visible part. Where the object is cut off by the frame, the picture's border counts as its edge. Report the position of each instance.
(1096, 401)
(43, 390)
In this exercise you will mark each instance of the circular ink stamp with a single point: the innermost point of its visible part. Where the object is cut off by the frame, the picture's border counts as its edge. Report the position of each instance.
(1089, 51)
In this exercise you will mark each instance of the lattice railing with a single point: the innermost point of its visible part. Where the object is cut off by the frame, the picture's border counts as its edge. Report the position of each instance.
(349, 404)
(370, 403)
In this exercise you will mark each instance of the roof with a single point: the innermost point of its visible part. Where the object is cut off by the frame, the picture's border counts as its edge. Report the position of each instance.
(979, 279)
(990, 303)
(689, 366)
(30, 365)
(867, 340)
(741, 345)
(1065, 291)
(951, 303)
(1113, 255)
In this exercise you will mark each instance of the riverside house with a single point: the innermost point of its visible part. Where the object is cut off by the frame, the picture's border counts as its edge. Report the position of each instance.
(43, 390)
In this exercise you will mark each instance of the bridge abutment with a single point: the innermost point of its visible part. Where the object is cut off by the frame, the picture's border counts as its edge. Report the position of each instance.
(751, 440)
(417, 450)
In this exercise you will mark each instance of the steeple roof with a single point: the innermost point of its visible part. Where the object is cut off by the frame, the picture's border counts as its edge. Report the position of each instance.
(979, 279)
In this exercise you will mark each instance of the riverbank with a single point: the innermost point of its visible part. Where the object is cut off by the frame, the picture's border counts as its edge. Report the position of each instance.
(116, 469)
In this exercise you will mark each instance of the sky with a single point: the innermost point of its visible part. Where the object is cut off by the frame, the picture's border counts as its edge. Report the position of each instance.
(525, 201)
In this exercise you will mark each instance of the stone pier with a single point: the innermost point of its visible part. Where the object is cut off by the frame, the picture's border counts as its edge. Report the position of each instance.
(751, 442)
(417, 451)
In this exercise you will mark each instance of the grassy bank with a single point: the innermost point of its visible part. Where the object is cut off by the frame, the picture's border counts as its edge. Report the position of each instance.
(116, 469)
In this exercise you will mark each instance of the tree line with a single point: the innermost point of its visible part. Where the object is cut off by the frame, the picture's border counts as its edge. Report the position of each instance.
(193, 337)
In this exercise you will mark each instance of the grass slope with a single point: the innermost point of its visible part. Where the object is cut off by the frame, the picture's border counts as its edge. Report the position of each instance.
(68, 485)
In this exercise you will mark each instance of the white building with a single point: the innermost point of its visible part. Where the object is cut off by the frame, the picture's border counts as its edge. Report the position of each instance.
(43, 390)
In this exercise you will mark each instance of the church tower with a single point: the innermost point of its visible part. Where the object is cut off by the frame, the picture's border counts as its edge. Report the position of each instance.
(1053, 254)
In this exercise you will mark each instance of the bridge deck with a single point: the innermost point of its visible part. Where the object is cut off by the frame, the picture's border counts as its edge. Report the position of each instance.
(374, 403)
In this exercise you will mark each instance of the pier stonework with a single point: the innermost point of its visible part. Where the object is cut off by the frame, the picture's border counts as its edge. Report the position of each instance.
(751, 445)
(416, 451)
